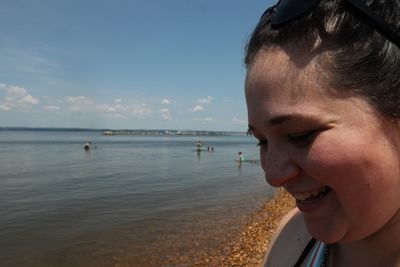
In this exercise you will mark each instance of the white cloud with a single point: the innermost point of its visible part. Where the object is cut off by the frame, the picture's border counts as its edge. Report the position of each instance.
(4, 107)
(141, 110)
(165, 101)
(117, 100)
(80, 103)
(197, 108)
(13, 91)
(52, 101)
(28, 99)
(84, 104)
(207, 100)
(165, 113)
(16, 98)
(238, 121)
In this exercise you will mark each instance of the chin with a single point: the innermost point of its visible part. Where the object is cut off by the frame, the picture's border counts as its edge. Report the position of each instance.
(327, 233)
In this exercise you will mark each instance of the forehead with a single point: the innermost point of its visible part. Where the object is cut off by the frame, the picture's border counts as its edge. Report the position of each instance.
(278, 78)
(276, 86)
(277, 69)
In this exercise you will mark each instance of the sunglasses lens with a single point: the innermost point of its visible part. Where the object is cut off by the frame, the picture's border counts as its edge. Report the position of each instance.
(288, 10)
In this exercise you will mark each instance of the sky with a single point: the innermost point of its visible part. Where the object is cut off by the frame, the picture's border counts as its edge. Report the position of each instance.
(125, 64)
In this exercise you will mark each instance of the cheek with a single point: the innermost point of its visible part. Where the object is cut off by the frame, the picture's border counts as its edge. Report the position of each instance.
(357, 165)
(355, 159)
(365, 181)
(348, 169)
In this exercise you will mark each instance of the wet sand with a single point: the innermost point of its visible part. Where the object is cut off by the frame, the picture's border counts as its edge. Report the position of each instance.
(249, 245)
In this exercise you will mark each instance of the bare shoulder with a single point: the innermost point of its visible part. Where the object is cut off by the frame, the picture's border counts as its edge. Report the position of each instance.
(289, 241)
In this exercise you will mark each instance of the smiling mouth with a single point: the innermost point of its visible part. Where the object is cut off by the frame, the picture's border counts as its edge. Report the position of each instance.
(311, 196)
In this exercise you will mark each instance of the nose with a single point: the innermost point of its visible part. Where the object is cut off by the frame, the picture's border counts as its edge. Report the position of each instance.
(278, 165)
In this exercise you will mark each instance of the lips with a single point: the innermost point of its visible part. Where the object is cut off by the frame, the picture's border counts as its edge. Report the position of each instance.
(311, 196)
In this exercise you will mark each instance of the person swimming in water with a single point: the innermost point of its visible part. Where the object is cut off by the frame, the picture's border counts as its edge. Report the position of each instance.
(198, 145)
(240, 157)
(87, 146)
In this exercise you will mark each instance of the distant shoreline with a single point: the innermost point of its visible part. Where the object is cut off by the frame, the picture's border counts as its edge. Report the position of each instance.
(113, 132)
(55, 129)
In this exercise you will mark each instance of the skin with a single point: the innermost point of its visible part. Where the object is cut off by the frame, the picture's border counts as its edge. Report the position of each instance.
(313, 137)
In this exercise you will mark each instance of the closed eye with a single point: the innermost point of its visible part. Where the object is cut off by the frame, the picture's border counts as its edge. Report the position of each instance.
(303, 138)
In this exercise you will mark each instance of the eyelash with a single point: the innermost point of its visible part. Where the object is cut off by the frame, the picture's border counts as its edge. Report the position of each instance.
(302, 139)
(299, 139)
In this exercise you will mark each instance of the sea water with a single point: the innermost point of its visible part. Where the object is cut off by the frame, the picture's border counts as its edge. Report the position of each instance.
(129, 201)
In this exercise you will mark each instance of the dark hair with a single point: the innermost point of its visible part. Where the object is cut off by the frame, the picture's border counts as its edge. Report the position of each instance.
(352, 55)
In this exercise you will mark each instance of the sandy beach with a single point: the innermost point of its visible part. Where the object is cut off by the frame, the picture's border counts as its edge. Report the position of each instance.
(249, 245)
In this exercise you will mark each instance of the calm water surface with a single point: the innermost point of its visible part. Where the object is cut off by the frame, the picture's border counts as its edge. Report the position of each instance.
(132, 200)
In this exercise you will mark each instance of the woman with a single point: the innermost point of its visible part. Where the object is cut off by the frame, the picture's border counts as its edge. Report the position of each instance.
(323, 97)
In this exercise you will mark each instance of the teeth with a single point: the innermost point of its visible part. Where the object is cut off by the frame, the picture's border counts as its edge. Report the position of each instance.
(305, 195)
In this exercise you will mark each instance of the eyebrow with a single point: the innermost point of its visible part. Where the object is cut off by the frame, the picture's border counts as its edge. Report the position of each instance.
(284, 118)
(290, 117)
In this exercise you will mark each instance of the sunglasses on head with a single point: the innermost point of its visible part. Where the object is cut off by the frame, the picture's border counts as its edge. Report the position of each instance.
(288, 10)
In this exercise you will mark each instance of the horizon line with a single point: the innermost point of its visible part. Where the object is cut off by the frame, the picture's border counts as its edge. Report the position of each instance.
(106, 129)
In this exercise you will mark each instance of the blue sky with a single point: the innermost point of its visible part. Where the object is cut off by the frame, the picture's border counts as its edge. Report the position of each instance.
(138, 64)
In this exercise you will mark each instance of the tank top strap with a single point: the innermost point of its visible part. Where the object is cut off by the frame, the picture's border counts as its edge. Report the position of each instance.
(317, 257)
(318, 254)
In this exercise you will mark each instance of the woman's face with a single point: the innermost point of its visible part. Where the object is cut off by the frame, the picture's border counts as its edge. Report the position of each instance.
(334, 154)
